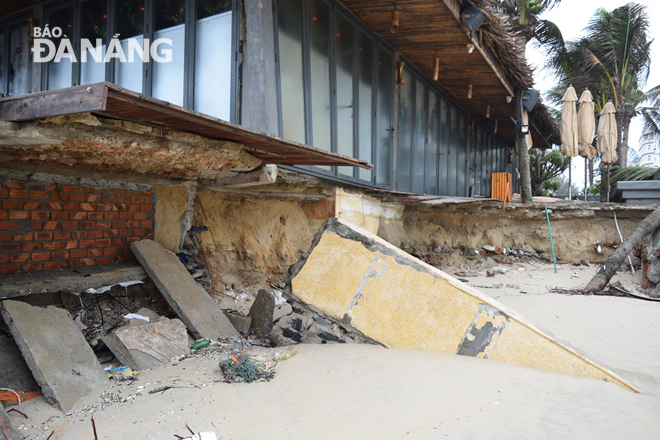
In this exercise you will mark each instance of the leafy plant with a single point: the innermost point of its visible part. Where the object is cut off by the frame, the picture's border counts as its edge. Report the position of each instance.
(618, 174)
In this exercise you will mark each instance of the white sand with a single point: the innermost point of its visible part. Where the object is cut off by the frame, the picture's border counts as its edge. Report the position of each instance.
(361, 391)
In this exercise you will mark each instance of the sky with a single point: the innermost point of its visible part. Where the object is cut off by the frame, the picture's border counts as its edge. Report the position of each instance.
(572, 16)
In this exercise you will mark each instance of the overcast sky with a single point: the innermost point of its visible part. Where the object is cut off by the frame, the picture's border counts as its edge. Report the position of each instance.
(572, 16)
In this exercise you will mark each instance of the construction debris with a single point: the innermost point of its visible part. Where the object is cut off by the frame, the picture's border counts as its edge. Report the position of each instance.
(8, 430)
(60, 359)
(261, 314)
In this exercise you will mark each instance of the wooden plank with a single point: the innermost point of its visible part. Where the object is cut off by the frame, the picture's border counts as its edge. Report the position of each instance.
(53, 103)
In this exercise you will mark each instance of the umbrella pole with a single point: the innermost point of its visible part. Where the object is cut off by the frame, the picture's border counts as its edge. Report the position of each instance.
(608, 182)
(586, 165)
(569, 177)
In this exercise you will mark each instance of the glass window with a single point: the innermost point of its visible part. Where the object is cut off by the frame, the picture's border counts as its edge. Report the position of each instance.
(289, 15)
(453, 152)
(344, 47)
(432, 146)
(404, 137)
(443, 157)
(212, 73)
(365, 108)
(385, 69)
(2, 65)
(477, 161)
(419, 137)
(319, 57)
(169, 23)
(129, 26)
(60, 73)
(19, 60)
(93, 26)
(462, 155)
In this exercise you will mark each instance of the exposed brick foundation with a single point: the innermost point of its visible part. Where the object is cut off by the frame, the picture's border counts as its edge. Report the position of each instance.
(47, 226)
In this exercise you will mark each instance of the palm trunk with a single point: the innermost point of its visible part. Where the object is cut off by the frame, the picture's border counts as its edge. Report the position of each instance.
(624, 144)
(607, 271)
(523, 152)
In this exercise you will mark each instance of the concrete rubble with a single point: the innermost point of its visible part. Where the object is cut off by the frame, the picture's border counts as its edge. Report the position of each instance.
(14, 434)
(60, 359)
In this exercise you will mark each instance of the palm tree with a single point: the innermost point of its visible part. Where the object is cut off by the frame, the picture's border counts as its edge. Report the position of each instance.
(612, 61)
(524, 18)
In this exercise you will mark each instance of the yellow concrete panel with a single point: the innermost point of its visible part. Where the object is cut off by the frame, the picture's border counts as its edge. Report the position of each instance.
(399, 301)
(170, 205)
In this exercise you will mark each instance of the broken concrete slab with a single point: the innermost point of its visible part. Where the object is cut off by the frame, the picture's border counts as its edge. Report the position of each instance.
(189, 300)
(58, 355)
(239, 321)
(148, 345)
(400, 301)
(261, 313)
(16, 374)
(13, 433)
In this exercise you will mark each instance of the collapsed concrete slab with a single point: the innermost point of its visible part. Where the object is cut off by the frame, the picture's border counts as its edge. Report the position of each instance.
(16, 374)
(148, 345)
(395, 299)
(60, 359)
(8, 425)
(188, 299)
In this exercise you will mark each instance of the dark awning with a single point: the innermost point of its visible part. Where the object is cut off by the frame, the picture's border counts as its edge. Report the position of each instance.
(109, 100)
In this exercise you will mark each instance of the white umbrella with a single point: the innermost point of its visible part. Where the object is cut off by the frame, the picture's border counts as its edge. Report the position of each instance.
(569, 129)
(607, 139)
(586, 131)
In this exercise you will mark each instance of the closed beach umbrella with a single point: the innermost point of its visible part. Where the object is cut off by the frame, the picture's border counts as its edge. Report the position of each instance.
(586, 125)
(607, 138)
(569, 124)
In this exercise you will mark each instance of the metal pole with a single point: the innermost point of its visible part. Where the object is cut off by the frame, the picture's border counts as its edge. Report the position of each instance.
(569, 177)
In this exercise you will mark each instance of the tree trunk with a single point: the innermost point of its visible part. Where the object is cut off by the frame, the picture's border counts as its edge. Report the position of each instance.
(603, 182)
(523, 152)
(624, 144)
(607, 271)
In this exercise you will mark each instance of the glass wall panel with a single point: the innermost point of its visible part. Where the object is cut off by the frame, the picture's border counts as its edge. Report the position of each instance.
(405, 131)
(60, 73)
(443, 156)
(432, 146)
(290, 29)
(453, 152)
(365, 108)
(169, 22)
(385, 69)
(19, 60)
(419, 138)
(319, 39)
(2, 63)
(344, 44)
(129, 23)
(93, 27)
(214, 35)
(477, 161)
(462, 156)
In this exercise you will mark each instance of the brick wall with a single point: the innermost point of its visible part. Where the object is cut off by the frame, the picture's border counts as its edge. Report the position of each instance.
(48, 226)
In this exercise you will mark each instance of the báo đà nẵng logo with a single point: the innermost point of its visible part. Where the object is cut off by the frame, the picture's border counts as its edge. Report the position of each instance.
(45, 51)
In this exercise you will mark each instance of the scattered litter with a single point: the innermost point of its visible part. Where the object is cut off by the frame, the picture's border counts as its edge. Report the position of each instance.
(467, 273)
(286, 352)
(121, 373)
(104, 289)
(242, 368)
(499, 270)
(136, 316)
(202, 343)
(575, 276)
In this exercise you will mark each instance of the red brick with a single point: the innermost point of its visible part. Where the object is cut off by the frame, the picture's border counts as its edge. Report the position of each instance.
(51, 265)
(59, 196)
(3, 193)
(24, 237)
(12, 204)
(32, 267)
(41, 256)
(38, 195)
(87, 206)
(104, 260)
(87, 225)
(78, 253)
(137, 199)
(15, 185)
(9, 268)
(139, 216)
(78, 234)
(119, 191)
(118, 241)
(111, 216)
(50, 188)
(104, 242)
(51, 226)
(18, 215)
(19, 258)
(52, 245)
(95, 216)
(95, 234)
(87, 262)
(146, 224)
(95, 252)
(59, 215)
(139, 232)
(77, 197)
(111, 251)
(133, 224)
(31, 246)
(149, 200)
(37, 186)
(30, 206)
(120, 207)
(145, 193)
(37, 225)
(86, 243)
(85, 189)
(60, 255)
(18, 194)
(71, 206)
(43, 236)
(62, 235)
(39, 215)
(93, 198)
(125, 232)
(11, 247)
(103, 225)
(100, 190)
(126, 215)
(53, 206)
(124, 199)
(5, 237)
(4, 258)
(146, 207)
(150, 233)
(104, 207)
(79, 215)
(69, 225)
(111, 233)
(4, 215)
(118, 225)
(70, 189)
(71, 244)
(8, 226)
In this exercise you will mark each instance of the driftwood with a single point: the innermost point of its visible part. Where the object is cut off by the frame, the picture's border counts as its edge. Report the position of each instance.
(607, 271)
